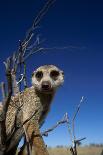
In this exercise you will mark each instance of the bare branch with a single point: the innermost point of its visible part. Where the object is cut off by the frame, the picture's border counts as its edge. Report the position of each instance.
(6, 102)
(24, 44)
(69, 128)
(74, 116)
(22, 77)
(25, 78)
(39, 17)
(15, 86)
(29, 151)
(78, 141)
(3, 90)
(41, 49)
(75, 142)
(62, 121)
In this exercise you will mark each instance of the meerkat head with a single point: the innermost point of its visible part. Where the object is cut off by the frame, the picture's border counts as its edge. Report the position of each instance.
(47, 78)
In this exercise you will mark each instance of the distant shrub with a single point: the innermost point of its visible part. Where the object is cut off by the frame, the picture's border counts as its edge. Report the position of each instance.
(96, 145)
(59, 146)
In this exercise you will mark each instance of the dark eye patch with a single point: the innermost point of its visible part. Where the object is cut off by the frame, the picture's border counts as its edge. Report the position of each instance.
(54, 74)
(39, 75)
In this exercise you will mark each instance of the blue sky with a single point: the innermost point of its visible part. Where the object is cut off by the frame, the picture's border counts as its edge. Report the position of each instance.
(68, 23)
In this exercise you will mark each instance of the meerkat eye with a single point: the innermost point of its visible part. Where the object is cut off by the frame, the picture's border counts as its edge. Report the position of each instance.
(54, 74)
(39, 75)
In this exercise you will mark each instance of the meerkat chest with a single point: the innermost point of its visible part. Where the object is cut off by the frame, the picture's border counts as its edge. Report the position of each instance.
(46, 103)
(31, 103)
(36, 102)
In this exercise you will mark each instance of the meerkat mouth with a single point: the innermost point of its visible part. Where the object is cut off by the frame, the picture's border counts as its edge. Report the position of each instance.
(47, 91)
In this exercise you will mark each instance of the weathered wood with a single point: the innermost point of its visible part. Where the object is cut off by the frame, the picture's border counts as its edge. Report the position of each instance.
(36, 141)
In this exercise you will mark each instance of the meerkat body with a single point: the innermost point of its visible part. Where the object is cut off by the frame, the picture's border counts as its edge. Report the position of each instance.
(45, 80)
(32, 101)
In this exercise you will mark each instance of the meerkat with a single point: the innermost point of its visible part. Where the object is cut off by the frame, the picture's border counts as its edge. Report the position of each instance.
(45, 81)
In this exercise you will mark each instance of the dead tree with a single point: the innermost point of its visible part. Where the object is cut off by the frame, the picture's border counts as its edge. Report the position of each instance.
(15, 64)
(75, 142)
(6, 101)
(71, 129)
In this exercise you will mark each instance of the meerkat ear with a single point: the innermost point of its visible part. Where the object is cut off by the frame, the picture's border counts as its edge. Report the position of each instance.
(62, 73)
(33, 74)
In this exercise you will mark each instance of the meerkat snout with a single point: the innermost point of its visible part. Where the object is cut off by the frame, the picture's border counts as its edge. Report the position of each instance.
(46, 85)
(47, 78)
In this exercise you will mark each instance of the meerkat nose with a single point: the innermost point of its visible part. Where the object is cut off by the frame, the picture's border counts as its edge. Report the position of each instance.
(46, 85)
